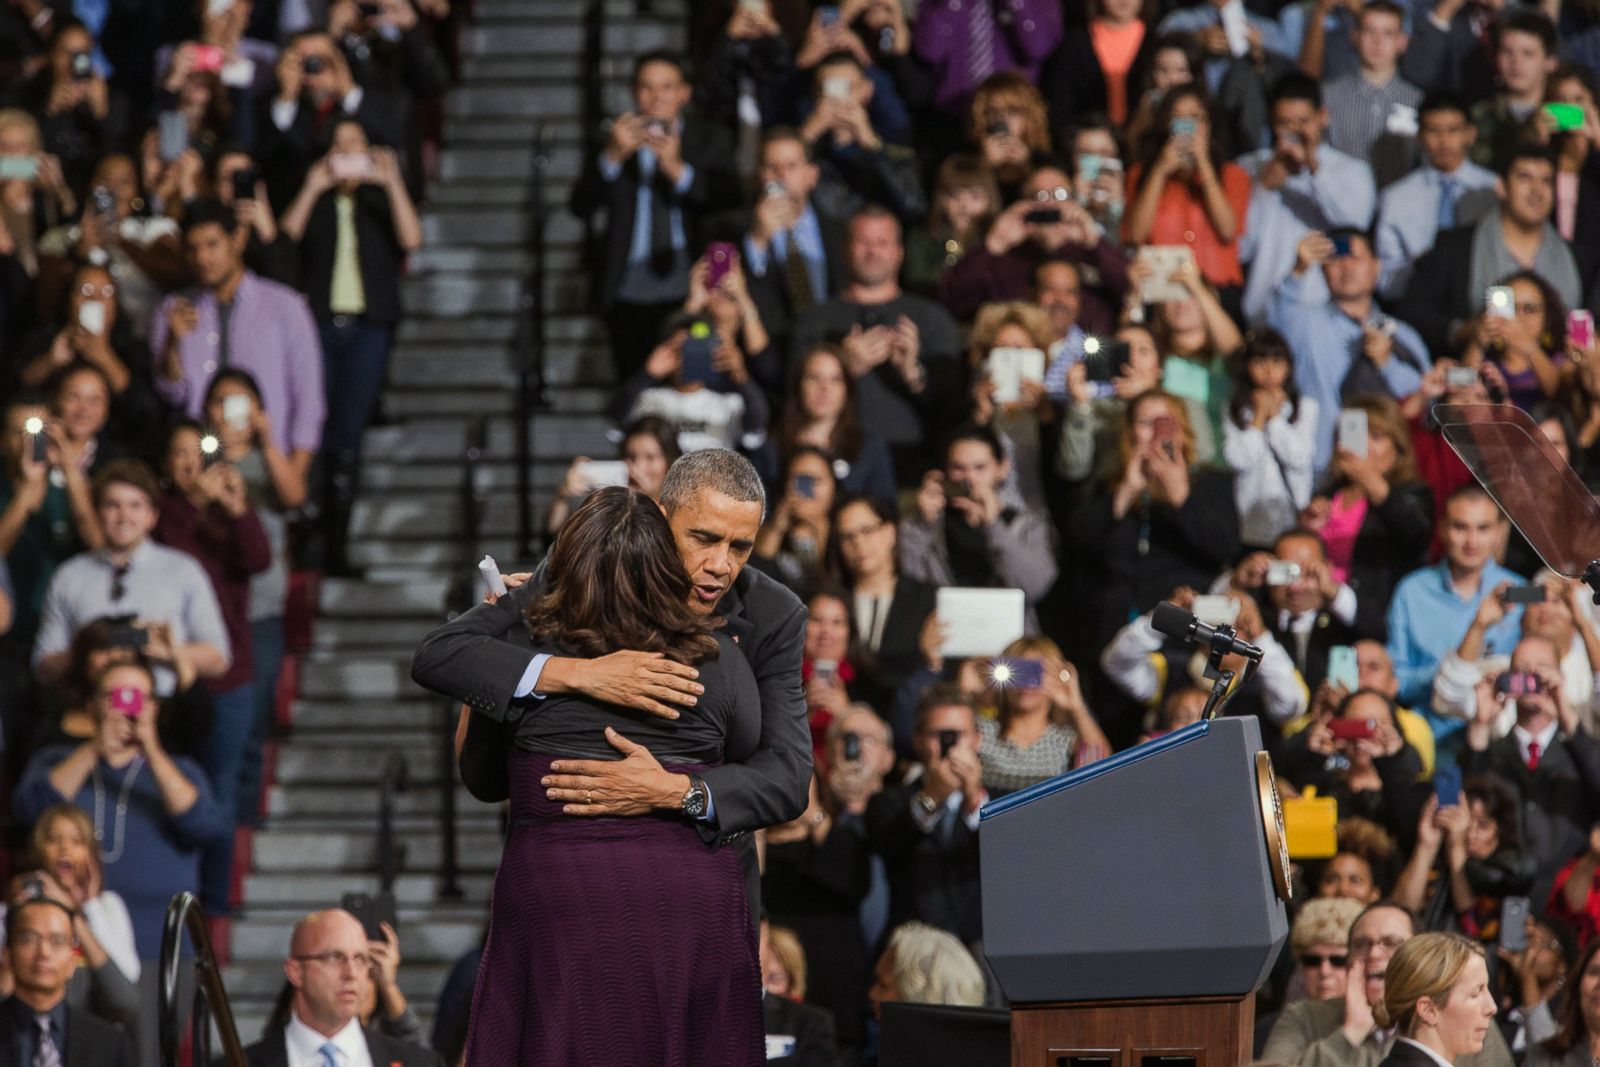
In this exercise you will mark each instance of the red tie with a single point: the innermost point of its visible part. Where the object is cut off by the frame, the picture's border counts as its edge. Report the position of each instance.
(1533, 755)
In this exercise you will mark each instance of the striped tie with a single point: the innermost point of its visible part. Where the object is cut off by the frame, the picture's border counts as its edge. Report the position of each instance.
(330, 1055)
(45, 1053)
(980, 42)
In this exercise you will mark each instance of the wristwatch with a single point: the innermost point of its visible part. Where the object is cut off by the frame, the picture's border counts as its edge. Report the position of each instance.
(696, 800)
(927, 804)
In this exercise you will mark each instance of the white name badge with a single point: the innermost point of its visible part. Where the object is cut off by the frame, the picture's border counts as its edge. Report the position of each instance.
(1402, 120)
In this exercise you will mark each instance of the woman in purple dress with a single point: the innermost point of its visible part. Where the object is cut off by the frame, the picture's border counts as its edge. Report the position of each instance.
(621, 940)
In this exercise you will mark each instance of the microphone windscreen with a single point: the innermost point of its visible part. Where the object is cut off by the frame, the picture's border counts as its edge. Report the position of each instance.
(1172, 620)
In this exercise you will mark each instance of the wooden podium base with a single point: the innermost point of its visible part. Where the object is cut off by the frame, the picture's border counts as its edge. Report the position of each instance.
(1186, 1032)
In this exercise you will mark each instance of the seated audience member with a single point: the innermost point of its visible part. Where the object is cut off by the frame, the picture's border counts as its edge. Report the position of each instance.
(151, 839)
(1525, 342)
(744, 77)
(925, 965)
(901, 349)
(1159, 522)
(1268, 439)
(1319, 941)
(36, 1020)
(1548, 758)
(67, 851)
(1467, 859)
(656, 158)
(1008, 126)
(1446, 191)
(72, 110)
(1372, 110)
(1433, 607)
(1183, 707)
(1183, 191)
(1342, 1032)
(1375, 776)
(712, 402)
(1374, 670)
(96, 337)
(1577, 1024)
(729, 310)
(1345, 347)
(1091, 425)
(131, 574)
(1098, 66)
(804, 1033)
(1042, 730)
(1445, 298)
(324, 1009)
(31, 206)
(793, 253)
(99, 985)
(968, 531)
(1300, 185)
(856, 164)
(1452, 48)
(926, 829)
(794, 538)
(1022, 422)
(1307, 610)
(964, 199)
(1044, 223)
(649, 446)
(823, 411)
(384, 1007)
(1532, 984)
(1360, 869)
(891, 613)
(1524, 57)
(1575, 894)
(963, 46)
(239, 319)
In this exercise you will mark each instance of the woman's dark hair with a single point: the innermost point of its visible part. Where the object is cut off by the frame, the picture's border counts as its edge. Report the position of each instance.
(93, 637)
(1160, 130)
(1551, 411)
(1569, 1013)
(1500, 803)
(615, 580)
(57, 382)
(1388, 702)
(1263, 343)
(654, 426)
(846, 440)
(234, 376)
(1553, 331)
(1172, 41)
(883, 509)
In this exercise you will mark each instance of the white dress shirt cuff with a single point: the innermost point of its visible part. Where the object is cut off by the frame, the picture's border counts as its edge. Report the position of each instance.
(1343, 606)
(530, 677)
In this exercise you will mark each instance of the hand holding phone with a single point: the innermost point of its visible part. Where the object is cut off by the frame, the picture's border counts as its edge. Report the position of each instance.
(1353, 431)
(948, 740)
(1343, 669)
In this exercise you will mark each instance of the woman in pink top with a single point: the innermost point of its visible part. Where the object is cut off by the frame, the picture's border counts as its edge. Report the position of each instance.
(1577, 213)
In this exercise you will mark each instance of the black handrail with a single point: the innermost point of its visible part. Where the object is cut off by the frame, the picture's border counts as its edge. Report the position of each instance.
(210, 996)
(391, 853)
(531, 340)
(594, 104)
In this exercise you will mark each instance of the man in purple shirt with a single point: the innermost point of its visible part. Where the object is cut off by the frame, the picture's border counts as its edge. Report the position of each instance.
(236, 318)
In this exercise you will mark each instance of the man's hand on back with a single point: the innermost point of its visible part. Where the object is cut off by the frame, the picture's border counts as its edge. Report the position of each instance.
(634, 785)
(645, 681)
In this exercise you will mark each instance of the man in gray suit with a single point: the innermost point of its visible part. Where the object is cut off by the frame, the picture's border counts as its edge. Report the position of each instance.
(1341, 1032)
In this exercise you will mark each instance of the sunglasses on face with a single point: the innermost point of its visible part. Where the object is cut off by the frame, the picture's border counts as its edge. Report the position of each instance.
(1315, 962)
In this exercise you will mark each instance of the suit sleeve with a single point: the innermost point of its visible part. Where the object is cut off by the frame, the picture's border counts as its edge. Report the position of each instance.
(1294, 1041)
(470, 659)
(771, 786)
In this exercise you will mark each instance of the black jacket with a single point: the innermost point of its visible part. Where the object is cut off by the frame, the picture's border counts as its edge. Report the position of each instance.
(706, 147)
(1436, 300)
(378, 249)
(771, 292)
(273, 1051)
(811, 1028)
(930, 879)
(899, 654)
(286, 155)
(1326, 632)
(90, 1041)
(1392, 542)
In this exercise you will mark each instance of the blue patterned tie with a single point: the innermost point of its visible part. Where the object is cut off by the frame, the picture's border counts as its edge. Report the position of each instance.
(46, 1053)
(1447, 203)
(330, 1055)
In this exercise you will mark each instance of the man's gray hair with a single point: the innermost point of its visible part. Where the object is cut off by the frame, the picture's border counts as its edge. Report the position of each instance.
(712, 468)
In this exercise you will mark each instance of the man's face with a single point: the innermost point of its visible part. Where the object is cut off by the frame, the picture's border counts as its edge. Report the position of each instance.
(973, 461)
(1522, 63)
(1059, 291)
(1472, 532)
(1298, 122)
(1535, 655)
(954, 717)
(660, 92)
(1530, 192)
(784, 162)
(82, 405)
(1354, 276)
(1374, 668)
(126, 516)
(213, 255)
(715, 534)
(325, 82)
(1302, 594)
(41, 950)
(876, 754)
(329, 968)
(875, 250)
(1446, 138)
(1374, 938)
(1379, 40)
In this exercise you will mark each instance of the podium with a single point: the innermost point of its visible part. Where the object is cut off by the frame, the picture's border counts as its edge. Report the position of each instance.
(1132, 907)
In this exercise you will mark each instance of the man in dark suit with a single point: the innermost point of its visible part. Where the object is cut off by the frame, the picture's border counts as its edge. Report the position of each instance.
(799, 1035)
(36, 1025)
(657, 177)
(714, 502)
(926, 829)
(1548, 759)
(327, 968)
(1308, 613)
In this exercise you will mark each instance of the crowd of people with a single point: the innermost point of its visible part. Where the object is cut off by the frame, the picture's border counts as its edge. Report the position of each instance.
(205, 214)
(1114, 304)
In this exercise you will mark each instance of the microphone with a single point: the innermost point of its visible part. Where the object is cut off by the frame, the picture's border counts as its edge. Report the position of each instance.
(1173, 621)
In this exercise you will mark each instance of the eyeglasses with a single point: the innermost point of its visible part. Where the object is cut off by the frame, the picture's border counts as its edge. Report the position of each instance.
(850, 537)
(119, 582)
(1316, 962)
(1363, 945)
(33, 939)
(1044, 196)
(104, 292)
(339, 960)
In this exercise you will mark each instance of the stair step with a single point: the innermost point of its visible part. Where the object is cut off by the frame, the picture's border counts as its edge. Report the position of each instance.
(353, 762)
(313, 718)
(345, 598)
(492, 477)
(445, 441)
(389, 635)
(429, 517)
(562, 133)
(437, 941)
(434, 365)
(411, 891)
(401, 557)
(466, 259)
(357, 678)
(423, 326)
(313, 801)
(340, 852)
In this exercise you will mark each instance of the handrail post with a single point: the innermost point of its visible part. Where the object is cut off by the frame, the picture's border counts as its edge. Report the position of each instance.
(185, 917)
(462, 599)
(531, 340)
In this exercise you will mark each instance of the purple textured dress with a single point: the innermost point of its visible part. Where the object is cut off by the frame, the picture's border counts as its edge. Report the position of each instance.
(620, 940)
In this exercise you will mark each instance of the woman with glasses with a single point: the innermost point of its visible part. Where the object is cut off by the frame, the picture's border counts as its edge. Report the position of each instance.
(1468, 859)
(1524, 339)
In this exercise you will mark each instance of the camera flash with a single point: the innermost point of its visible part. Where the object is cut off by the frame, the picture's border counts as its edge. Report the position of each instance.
(34, 425)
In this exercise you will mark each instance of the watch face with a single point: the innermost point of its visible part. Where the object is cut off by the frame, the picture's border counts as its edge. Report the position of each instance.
(694, 801)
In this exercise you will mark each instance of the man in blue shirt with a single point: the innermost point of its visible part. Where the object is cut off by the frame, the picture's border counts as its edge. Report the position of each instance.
(1433, 607)
(1343, 345)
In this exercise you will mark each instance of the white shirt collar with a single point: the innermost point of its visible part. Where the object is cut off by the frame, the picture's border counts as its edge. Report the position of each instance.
(304, 1044)
(1545, 737)
(1432, 1055)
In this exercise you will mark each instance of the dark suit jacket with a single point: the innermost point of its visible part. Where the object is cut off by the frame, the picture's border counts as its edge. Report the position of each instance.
(481, 655)
(1449, 59)
(1407, 1055)
(1560, 801)
(812, 1029)
(930, 880)
(771, 295)
(286, 155)
(706, 147)
(90, 1041)
(1392, 542)
(272, 1051)
(379, 251)
(1073, 83)
(1436, 300)
(1326, 632)
(898, 656)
